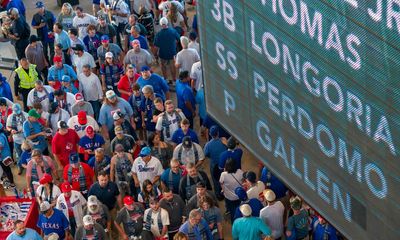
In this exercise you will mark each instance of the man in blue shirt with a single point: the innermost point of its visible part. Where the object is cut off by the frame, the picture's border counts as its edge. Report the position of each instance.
(34, 132)
(196, 227)
(322, 230)
(160, 86)
(5, 89)
(57, 71)
(172, 176)
(52, 221)
(273, 183)
(165, 41)
(185, 97)
(184, 131)
(22, 233)
(213, 150)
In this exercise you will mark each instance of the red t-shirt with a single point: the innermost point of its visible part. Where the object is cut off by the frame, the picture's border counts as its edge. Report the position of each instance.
(89, 173)
(126, 85)
(64, 145)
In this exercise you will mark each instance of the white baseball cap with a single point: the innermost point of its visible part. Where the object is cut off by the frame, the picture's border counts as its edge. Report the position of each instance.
(245, 209)
(109, 55)
(87, 220)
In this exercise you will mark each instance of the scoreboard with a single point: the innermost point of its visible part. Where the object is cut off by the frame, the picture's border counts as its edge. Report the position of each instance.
(311, 87)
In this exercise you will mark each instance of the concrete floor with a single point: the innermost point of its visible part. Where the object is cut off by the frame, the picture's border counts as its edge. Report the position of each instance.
(6, 50)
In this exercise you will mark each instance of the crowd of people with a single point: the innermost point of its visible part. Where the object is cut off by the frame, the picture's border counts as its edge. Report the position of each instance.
(103, 148)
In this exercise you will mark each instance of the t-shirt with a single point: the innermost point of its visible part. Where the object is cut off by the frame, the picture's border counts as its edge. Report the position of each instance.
(88, 171)
(112, 47)
(83, 23)
(184, 93)
(64, 145)
(91, 87)
(49, 19)
(42, 96)
(45, 196)
(54, 118)
(140, 59)
(136, 216)
(194, 45)
(213, 150)
(56, 223)
(172, 121)
(229, 182)
(154, 220)
(273, 217)
(254, 192)
(147, 170)
(126, 84)
(19, 136)
(107, 195)
(127, 142)
(107, 111)
(87, 107)
(29, 234)
(188, 155)
(63, 38)
(176, 178)
(159, 85)
(79, 62)
(178, 135)
(196, 73)
(80, 129)
(186, 58)
(235, 154)
(299, 223)
(249, 228)
(176, 209)
(31, 128)
(91, 144)
(200, 100)
(166, 40)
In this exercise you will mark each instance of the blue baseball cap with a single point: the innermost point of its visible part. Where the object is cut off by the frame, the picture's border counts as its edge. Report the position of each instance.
(39, 4)
(214, 130)
(105, 38)
(145, 68)
(65, 78)
(73, 158)
(146, 151)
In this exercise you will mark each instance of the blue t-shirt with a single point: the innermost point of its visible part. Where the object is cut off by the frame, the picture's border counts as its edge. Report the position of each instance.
(273, 183)
(158, 83)
(5, 147)
(57, 223)
(107, 111)
(200, 100)
(92, 144)
(58, 73)
(25, 157)
(5, 91)
(29, 234)
(31, 128)
(236, 155)
(196, 230)
(213, 150)
(141, 39)
(178, 135)
(18, 4)
(63, 38)
(184, 93)
(42, 33)
(176, 178)
(249, 228)
(319, 231)
(166, 41)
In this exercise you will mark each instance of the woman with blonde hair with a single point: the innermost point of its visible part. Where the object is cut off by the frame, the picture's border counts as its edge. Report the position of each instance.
(180, 236)
(66, 16)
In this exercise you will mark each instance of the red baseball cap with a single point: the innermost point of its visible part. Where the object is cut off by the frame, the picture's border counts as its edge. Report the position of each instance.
(89, 130)
(57, 59)
(82, 117)
(128, 200)
(47, 178)
(66, 187)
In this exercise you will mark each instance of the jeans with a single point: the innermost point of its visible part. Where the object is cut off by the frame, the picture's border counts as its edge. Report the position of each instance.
(18, 150)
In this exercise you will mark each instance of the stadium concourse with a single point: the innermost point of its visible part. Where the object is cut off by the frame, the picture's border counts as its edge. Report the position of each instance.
(99, 177)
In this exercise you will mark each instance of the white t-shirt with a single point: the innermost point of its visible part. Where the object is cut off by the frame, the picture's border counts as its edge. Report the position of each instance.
(56, 192)
(229, 183)
(18, 137)
(41, 95)
(121, 7)
(188, 155)
(186, 58)
(273, 217)
(62, 115)
(154, 220)
(70, 102)
(91, 87)
(147, 171)
(254, 192)
(173, 124)
(83, 23)
(80, 129)
(79, 62)
(194, 45)
(166, 5)
(197, 74)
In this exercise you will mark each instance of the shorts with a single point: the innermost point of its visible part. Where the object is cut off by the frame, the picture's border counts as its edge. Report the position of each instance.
(166, 62)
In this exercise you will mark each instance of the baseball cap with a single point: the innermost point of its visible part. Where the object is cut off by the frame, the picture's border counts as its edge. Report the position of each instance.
(33, 113)
(66, 187)
(241, 193)
(128, 200)
(187, 142)
(245, 209)
(250, 176)
(53, 107)
(163, 21)
(118, 115)
(47, 178)
(78, 47)
(82, 118)
(110, 94)
(66, 78)
(269, 195)
(105, 38)
(44, 206)
(62, 124)
(146, 151)
(92, 201)
(3, 102)
(89, 130)
(145, 68)
(16, 107)
(57, 59)
(78, 97)
(39, 4)
(53, 236)
(109, 55)
(101, 17)
(118, 129)
(214, 130)
(88, 220)
(73, 158)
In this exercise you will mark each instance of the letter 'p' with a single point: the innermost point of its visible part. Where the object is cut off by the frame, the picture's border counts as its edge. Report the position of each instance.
(230, 104)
